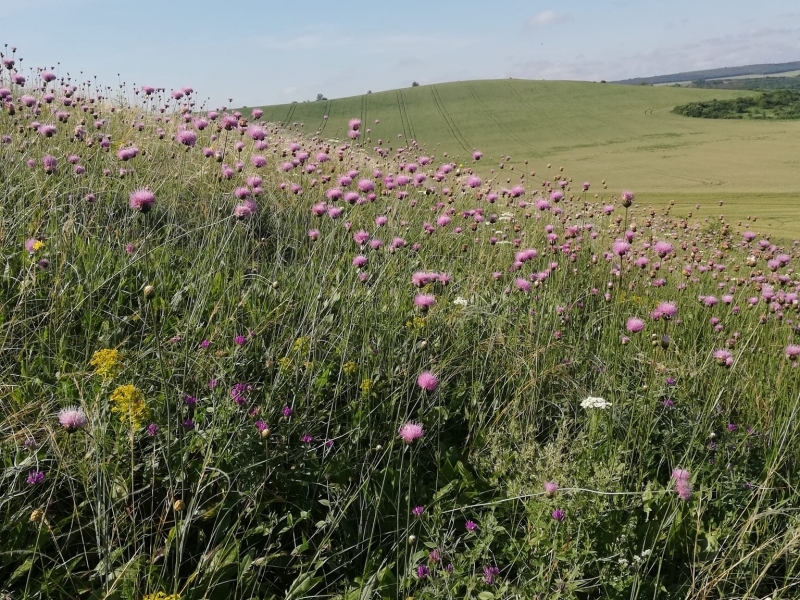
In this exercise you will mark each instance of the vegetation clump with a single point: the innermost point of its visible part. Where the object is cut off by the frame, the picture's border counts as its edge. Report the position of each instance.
(776, 104)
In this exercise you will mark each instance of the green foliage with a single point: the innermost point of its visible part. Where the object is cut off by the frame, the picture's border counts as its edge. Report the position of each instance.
(277, 376)
(779, 105)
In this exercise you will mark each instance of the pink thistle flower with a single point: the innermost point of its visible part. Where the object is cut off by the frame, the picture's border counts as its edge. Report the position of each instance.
(427, 381)
(477, 155)
(668, 310)
(245, 210)
(792, 351)
(470, 525)
(50, 164)
(620, 248)
(258, 161)
(411, 431)
(142, 200)
(558, 515)
(186, 137)
(424, 301)
(522, 285)
(360, 261)
(72, 418)
(723, 357)
(550, 487)
(634, 325)
(360, 237)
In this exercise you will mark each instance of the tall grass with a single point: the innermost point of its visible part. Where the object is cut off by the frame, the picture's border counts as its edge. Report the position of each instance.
(265, 461)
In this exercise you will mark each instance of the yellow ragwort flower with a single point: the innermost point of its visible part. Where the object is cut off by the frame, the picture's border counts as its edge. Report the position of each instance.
(301, 345)
(349, 368)
(366, 386)
(285, 364)
(106, 362)
(129, 402)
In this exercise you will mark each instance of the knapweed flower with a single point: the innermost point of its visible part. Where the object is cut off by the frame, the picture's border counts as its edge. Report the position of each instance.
(427, 381)
(72, 418)
(723, 357)
(287, 412)
(411, 431)
(558, 515)
(240, 340)
(470, 525)
(550, 487)
(128, 401)
(35, 477)
(417, 511)
(142, 200)
(106, 362)
(595, 402)
(792, 351)
(422, 571)
(152, 429)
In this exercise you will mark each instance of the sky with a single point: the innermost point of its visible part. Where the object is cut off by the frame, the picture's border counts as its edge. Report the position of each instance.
(259, 52)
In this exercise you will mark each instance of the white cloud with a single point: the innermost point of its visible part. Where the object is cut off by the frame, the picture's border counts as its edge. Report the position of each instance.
(546, 18)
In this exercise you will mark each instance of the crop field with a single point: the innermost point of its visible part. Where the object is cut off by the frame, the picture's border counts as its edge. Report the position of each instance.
(241, 361)
(625, 135)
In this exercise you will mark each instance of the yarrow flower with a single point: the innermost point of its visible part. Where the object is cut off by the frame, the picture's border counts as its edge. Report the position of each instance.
(411, 431)
(72, 418)
(595, 402)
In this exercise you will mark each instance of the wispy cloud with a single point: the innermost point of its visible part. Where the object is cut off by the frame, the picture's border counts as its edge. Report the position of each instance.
(547, 18)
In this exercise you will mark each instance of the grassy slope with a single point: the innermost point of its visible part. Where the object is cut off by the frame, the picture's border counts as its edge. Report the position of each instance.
(626, 135)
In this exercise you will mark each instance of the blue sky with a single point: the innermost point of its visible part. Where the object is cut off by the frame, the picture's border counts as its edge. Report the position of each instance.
(264, 52)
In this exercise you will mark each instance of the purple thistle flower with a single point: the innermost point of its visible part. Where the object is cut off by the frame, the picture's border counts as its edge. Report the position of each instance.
(142, 200)
(240, 340)
(550, 487)
(558, 515)
(417, 511)
(188, 424)
(471, 525)
(287, 412)
(411, 431)
(152, 429)
(422, 571)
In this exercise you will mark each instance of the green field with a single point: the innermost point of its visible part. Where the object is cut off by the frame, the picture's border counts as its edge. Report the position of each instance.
(626, 135)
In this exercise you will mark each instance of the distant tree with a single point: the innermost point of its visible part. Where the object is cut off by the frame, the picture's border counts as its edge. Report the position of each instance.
(369, 91)
(320, 98)
(602, 81)
(415, 84)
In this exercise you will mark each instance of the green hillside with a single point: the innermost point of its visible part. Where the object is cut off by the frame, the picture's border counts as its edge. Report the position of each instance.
(625, 134)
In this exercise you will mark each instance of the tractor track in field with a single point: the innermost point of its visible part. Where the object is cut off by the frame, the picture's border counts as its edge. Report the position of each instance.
(408, 118)
(323, 119)
(451, 124)
(402, 117)
(508, 131)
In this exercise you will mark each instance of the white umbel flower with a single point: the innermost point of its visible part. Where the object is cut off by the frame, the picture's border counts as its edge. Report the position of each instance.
(595, 402)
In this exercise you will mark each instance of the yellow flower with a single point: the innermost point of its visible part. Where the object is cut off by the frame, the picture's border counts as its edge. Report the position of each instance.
(37, 245)
(129, 402)
(301, 345)
(285, 364)
(161, 596)
(106, 362)
(366, 386)
(349, 368)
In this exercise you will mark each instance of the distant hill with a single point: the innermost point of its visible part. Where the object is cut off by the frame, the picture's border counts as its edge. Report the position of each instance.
(766, 69)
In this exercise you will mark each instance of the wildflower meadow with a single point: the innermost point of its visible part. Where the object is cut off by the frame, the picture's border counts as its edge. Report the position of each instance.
(242, 360)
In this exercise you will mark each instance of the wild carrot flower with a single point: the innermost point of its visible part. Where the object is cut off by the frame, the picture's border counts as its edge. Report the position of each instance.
(411, 431)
